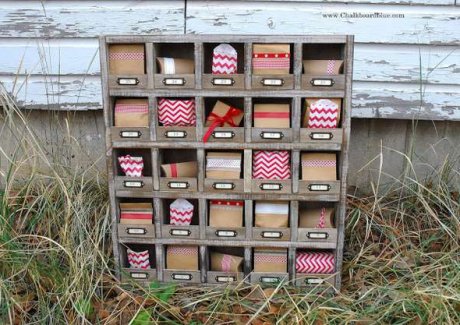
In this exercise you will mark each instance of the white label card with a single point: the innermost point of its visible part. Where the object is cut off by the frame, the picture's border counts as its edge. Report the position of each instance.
(181, 276)
(130, 134)
(223, 135)
(175, 134)
(269, 279)
(319, 187)
(223, 186)
(317, 235)
(314, 281)
(322, 82)
(174, 81)
(136, 231)
(133, 184)
(223, 81)
(272, 82)
(178, 185)
(128, 81)
(272, 135)
(271, 187)
(321, 136)
(180, 232)
(226, 233)
(225, 279)
(272, 234)
(138, 275)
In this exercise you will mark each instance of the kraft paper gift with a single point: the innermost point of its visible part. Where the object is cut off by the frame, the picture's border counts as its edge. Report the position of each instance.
(272, 116)
(268, 259)
(316, 218)
(314, 262)
(131, 166)
(226, 262)
(176, 66)
(138, 260)
(319, 166)
(271, 59)
(322, 67)
(224, 213)
(223, 165)
(126, 59)
(133, 112)
(224, 59)
(271, 214)
(222, 115)
(182, 258)
(136, 213)
(176, 112)
(182, 169)
(181, 212)
(271, 165)
(322, 113)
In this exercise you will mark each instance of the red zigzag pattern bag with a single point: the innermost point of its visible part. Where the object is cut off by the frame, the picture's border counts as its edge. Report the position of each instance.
(177, 112)
(271, 165)
(314, 262)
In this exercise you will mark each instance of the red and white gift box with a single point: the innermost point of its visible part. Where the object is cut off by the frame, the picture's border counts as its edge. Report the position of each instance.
(224, 59)
(181, 212)
(271, 165)
(314, 262)
(177, 112)
(323, 113)
(131, 166)
(138, 260)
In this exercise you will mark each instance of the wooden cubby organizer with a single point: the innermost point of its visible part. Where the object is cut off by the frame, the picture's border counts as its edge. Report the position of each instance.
(159, 144)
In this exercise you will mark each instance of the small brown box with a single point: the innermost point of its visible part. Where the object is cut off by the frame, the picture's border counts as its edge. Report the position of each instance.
(182, 257)
(272, 116)
(271, 214)
(271, 59)
(126, 59)
(270, 259)
(319, 166)
(223, 165)
(226, 213)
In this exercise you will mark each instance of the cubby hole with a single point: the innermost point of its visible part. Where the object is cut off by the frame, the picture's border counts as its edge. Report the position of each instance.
(220, 166)
(270, 260)
(323, 51)
(272, 174)
(236, 102)
(127, 59)
(168, 119)
(217, 265)
(136, 205)
(175, 51)
(185, 258)
(310, 214)
(267, 214)
(166, 216)
(314, 261)
(208, 49)
(228, 205)
(323, 160)
(276, 120)
(144, 153)
(174, 156)
(137, 108)
(138, 248)
(324, 122)
(291, 52)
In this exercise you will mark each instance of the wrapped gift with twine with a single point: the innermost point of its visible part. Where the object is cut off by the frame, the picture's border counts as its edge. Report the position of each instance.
(126, 59)
(182, 258)
(272, 116)
(138, 260)
(176, 66)
(181, 212)
(136, 213)
(271, 165)
(226, 262)
(176, 112)
(319, 166)
(323, 67)
(223, 165)
(132, 112)
(271, 214)
(267, 259)
(223, 213)
(316, 218)
(322, 113)
(314, 262)
(182, 169)
(224, 59)
(222, 115)
(271, 59)
(131, 166)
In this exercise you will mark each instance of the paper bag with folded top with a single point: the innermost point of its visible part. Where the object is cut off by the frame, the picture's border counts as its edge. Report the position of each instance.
(223, 165)
(271, 214)
(126, 59)
(323, 67)
(182, 169)
(226, 262)
(271, 59)
(176, 66)
(224, 213)
(272, 115)
(182, 258)
(316, 218)
(319, 166)
(132, 112)
(136, 213)
(322, 113)
(268, 259)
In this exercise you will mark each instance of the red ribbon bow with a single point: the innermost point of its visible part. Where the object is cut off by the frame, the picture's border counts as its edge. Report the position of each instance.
(221, 120)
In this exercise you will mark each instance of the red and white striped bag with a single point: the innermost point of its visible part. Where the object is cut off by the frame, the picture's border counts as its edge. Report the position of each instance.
(224, 59)
(176, 112)
(271, 165)
(138, 260)
(314, 262)
(181, 212)
(131, 166)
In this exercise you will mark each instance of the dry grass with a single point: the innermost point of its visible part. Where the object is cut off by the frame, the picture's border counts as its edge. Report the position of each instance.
(401, 265)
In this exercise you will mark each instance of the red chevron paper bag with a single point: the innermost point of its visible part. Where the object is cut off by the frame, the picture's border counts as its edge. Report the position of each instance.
(322, 67)
(319, 166)
(226, 262)
(322, 113)
(271, 165)
(316, 218)
(271, 59)
(268, 259)
(132, 112)
(182, 257)
(176, 112)
(181, 212)
(138, 260)
(314, 262)
(131, 166)
(126, 59)
(136, 213)
(223, 213)
(224, 59)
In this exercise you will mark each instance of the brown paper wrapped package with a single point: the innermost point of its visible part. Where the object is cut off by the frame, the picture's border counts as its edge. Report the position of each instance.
(323, 67)
(181, 66)
(268, 259)
(182, 169)
(270, 48)
(222, 215)
(309, 101)
(134, 208)
(271, 214)
(182, 258)
(272, 121)
(223, 170)
(226, 263)
(129, 66)
(309, 218)
(319, 166)
(220, 109)
(131, 119)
